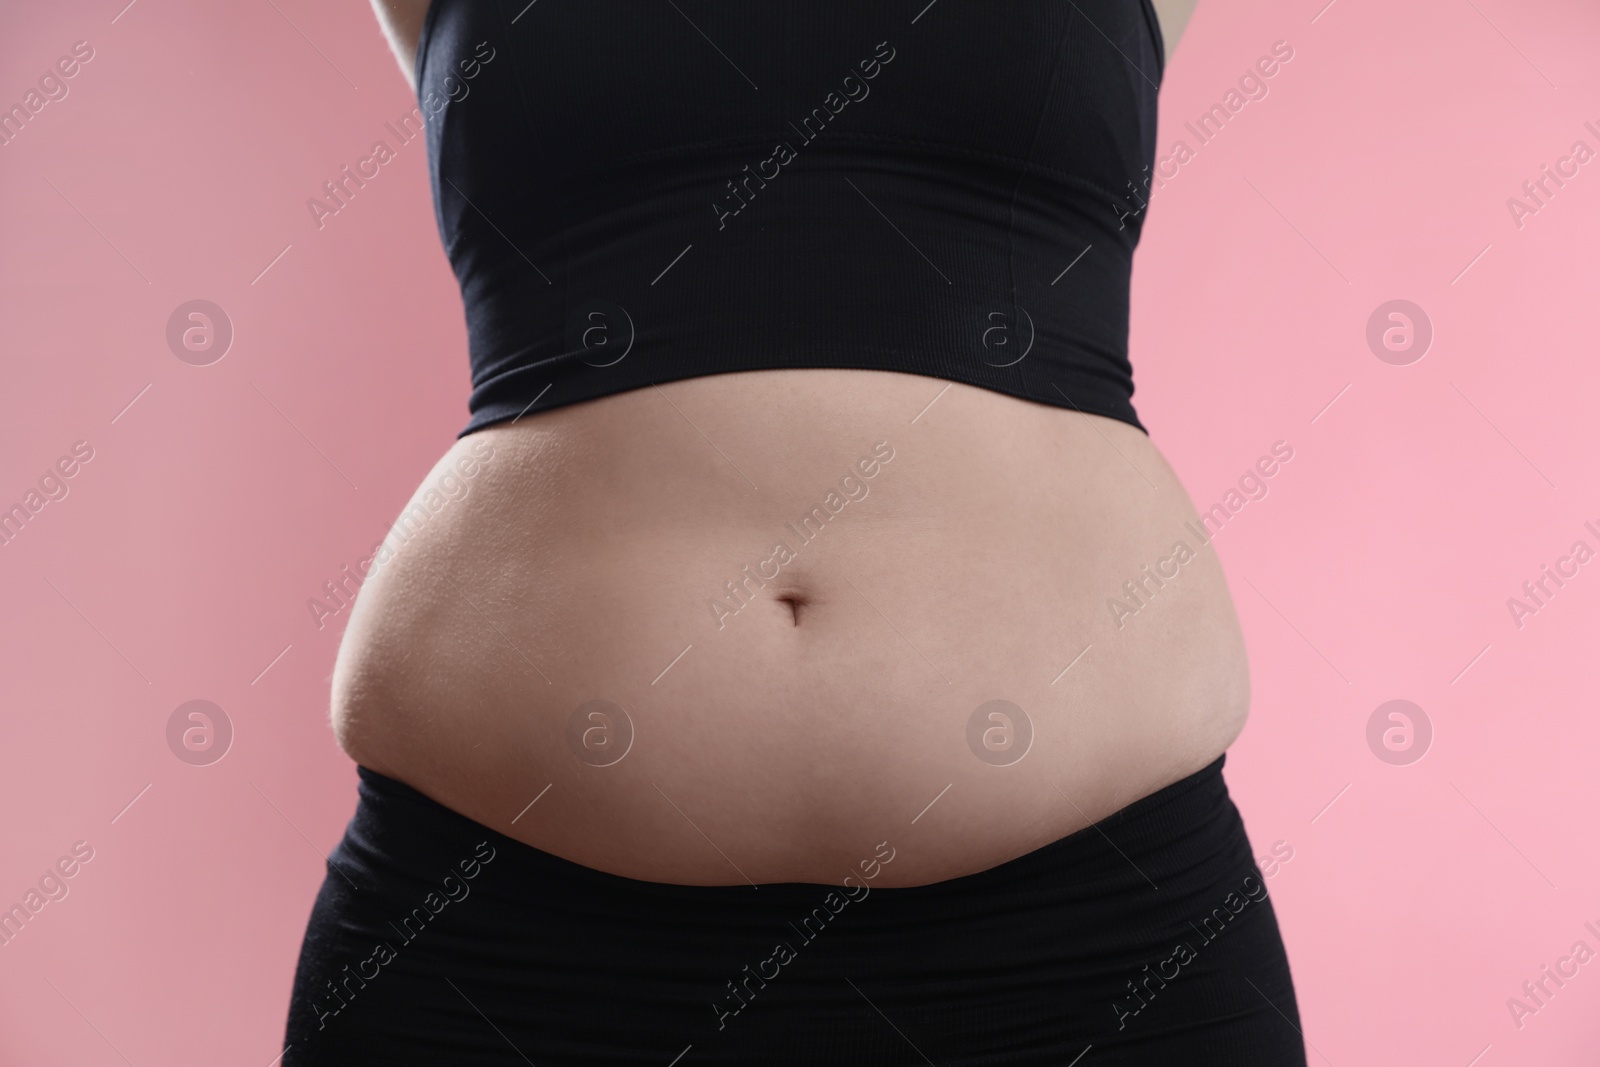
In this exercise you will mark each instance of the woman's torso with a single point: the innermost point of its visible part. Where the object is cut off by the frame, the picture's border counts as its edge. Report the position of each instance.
(798, 589)
(581, 559)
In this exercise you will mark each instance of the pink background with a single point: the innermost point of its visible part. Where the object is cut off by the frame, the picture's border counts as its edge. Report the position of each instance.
(1378, 567)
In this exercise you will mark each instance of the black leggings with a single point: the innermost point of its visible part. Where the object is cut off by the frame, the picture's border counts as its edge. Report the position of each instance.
(1146, 939)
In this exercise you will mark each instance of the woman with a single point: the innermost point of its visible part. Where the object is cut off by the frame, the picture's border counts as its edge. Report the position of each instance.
(803, 655)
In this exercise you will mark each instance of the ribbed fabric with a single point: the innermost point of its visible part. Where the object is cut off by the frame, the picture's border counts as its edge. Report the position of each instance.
(535, 959)
(633, 193)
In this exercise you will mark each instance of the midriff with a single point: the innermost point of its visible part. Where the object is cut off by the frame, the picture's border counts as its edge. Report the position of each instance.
(823, 709)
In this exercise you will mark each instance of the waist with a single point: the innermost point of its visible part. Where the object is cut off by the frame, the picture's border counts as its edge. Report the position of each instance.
(1168, 834)
(725, 628)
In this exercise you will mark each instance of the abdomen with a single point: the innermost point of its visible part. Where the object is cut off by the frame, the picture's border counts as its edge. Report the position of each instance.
(749, 626)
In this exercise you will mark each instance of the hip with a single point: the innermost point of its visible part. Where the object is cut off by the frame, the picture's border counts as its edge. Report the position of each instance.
(1151, 939)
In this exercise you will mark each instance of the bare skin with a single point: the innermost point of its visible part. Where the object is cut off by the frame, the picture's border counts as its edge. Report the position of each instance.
(824, 707)
(1173, 15)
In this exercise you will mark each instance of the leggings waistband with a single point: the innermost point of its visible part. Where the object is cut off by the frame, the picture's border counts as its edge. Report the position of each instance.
(397, 825)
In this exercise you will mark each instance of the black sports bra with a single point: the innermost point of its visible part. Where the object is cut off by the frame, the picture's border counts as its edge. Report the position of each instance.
(636, 191)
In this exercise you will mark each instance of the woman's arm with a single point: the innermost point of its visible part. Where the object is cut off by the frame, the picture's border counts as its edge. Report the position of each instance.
(1173, 16)
(402, 25)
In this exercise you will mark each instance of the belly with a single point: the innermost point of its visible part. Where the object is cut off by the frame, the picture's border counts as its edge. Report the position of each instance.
(771, 626)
